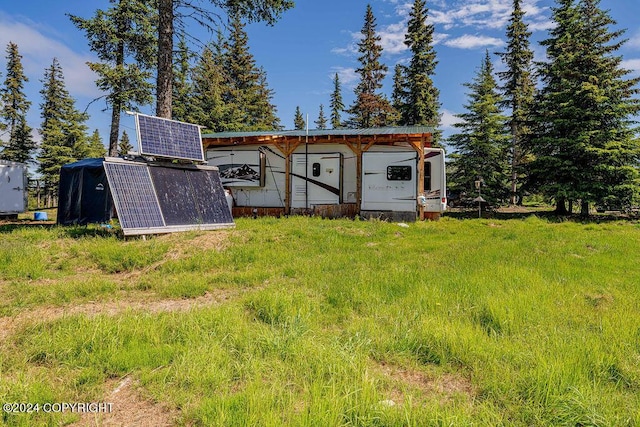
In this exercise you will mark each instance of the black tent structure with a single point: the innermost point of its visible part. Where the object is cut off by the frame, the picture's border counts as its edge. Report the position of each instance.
(84, 196)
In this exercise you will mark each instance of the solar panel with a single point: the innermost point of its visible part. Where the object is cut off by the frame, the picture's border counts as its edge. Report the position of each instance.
(155, 198)
(169, 138)
(134, 196)
(190, 196)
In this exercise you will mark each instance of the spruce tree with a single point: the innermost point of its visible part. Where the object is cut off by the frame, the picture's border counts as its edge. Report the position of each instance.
(125, 145)
(246, 89)
(422, 97)
(321, 123)
(253, 10)
(399, 96)
(483, 141)
(182, 87)
(585, 146)
(63, 130)
(95, 147)
(518, 90)
(20, 144)
(264, 112)
(208, 107)
(298, 120)
(370, 108)
(123, 38)
(337, 104)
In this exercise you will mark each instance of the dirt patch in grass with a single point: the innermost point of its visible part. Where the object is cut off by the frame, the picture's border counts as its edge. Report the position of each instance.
(419, 386)
(9, 324)
(129, 407)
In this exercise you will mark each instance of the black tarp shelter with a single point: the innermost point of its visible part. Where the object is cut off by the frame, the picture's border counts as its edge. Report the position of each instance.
(84, 196)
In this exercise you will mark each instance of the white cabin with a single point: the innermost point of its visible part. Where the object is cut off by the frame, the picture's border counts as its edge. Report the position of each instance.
(388, 173)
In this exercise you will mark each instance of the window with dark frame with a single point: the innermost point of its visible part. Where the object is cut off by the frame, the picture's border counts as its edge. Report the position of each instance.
(399, 173)
(427, 176)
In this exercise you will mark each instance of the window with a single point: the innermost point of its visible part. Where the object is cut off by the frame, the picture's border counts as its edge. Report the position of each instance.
(427, 176)
(399, 173)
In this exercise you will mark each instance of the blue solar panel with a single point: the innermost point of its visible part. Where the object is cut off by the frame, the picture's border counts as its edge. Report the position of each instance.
(168, 138)
(134, 196)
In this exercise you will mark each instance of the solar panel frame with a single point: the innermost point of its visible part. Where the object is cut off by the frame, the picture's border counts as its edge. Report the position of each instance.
(142, 211)
(159, 137)
(134, 196)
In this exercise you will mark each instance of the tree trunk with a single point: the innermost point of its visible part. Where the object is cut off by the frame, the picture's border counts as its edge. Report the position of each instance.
(561, 207)
(514, 162)
(584, 208)
(165, 59)
(116, 103)
(115, 130)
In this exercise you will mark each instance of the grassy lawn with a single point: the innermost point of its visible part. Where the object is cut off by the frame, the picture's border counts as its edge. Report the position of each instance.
(310, 322)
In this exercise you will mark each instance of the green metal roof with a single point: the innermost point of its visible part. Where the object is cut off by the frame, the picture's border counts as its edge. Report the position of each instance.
(399, 130)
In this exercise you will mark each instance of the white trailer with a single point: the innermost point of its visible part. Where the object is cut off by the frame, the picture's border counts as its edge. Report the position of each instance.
(326, 174)
(13, 188)
(390, 184)
(316, 179)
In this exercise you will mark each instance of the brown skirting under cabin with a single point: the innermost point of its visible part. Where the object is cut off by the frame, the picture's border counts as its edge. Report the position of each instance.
(345, 210)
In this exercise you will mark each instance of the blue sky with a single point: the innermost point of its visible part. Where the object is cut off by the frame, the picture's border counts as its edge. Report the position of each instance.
(304, 50)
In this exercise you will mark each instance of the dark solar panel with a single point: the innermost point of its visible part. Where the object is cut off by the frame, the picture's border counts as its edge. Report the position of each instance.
(133, 195)
(174, 195)
(209, 197)
(190, 196)
(152, 198)
(168, 138)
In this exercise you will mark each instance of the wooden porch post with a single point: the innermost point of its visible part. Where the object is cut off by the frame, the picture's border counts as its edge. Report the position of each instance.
(419, 147)
(358, 150)
(287, 149)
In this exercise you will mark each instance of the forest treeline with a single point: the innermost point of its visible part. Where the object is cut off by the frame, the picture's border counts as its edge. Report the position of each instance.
(563, 128)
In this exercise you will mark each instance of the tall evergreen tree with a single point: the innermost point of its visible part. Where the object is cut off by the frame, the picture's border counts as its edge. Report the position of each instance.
(585, 146)
(483, 141)
(20, 146)
(370, 108)
(336, 104)
(298, 120)
(399, 96)
(207, 106)
(422, 97)
(321, 123)
(246, 88)
(95, 147)
(63, 130)
(182, 87)
(254, 10)
(264, 111)
(125, 144)
(123, 38)
(518, 90)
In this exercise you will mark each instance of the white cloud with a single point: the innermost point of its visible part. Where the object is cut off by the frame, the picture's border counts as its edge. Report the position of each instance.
(348, 76)
(392, 38)
(634, 41)
(448, 119)
(486, 14)
(468, 41)
(38, 47)
(633, 65)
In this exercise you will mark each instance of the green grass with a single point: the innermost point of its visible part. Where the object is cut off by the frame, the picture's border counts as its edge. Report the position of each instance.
(325, 322)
